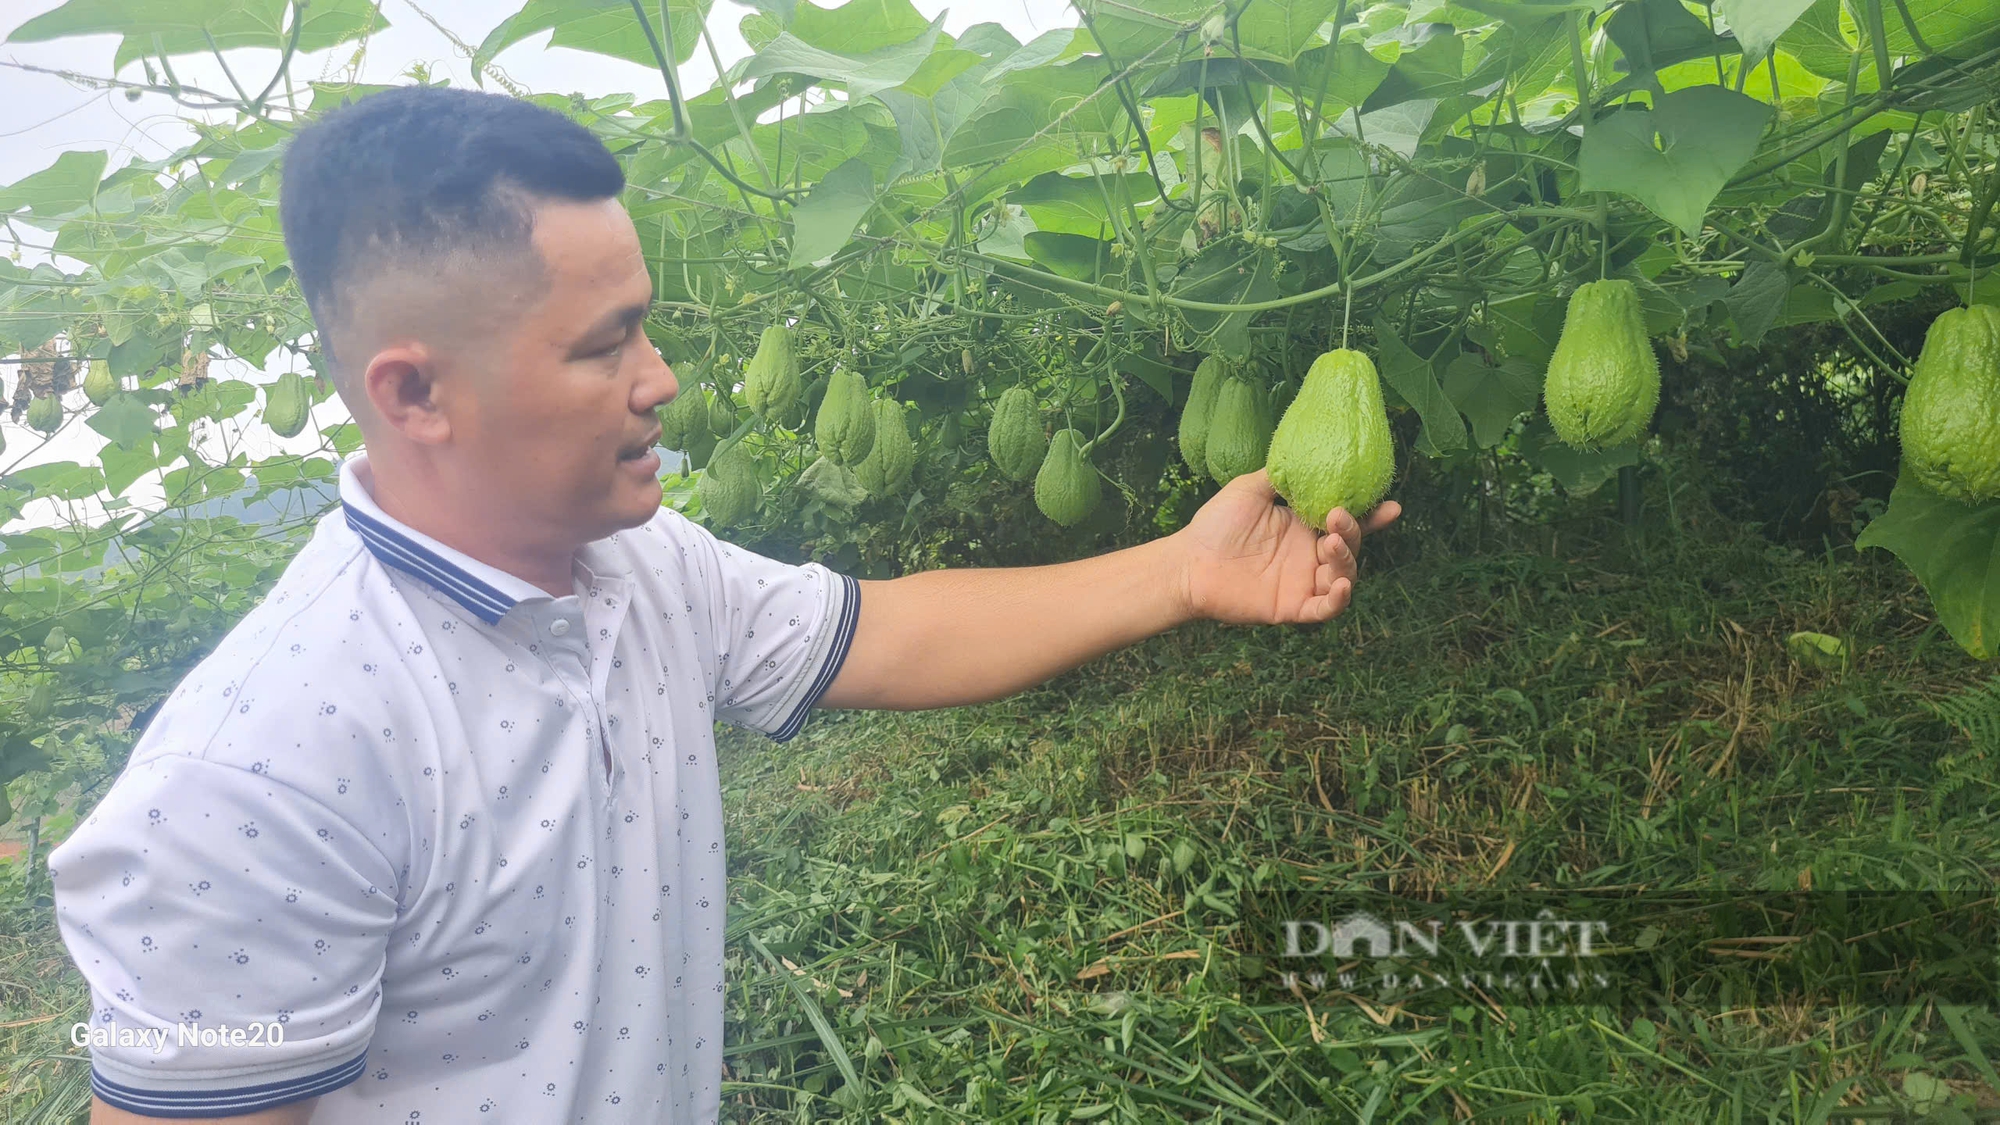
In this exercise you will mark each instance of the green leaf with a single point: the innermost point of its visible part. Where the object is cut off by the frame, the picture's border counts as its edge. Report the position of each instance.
(1821, 44)
(1954, 550)
(1430, 69)
(1397, 128)
(1705, 133)
(183, 27)
(1578, 472)
(1071, 255)
(822, 224)
(926, 123)
(1757, 24)
(1131, 32)
(62, 187)
(1757, 298)
(862, 74)
(1949, 27)
(123, 466)
(1491, 396)
(1280, 29)
(1655, 34)
(858, 26)
(606, 27)
(125, 419)
(1412, 377)
(1076, 203)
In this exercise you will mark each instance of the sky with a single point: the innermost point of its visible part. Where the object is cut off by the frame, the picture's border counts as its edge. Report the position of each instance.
(48, 114)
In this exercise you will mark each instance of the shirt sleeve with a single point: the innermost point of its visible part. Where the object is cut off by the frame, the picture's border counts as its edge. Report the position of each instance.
(203, 902)
(780, 632)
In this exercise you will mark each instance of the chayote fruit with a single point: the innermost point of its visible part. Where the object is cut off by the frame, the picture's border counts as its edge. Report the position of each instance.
(98, 385)
(845, 426)
(684, 419)
(287, 403)
(1604, 380)
(1067, 488)
(1015, 439)
(1196, 415)
(1332, 448)
(887, 467)
(729, 489)
(1951, 410)
(771, 385)
(45, 414)
(1239, 432)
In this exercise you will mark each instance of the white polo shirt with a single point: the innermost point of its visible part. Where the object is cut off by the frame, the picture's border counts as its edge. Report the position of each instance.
(377, 819)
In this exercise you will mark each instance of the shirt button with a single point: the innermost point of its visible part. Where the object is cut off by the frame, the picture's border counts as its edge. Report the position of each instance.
(560, 627)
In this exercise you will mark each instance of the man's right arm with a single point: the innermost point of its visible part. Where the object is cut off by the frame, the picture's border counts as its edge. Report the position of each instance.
(204, 895)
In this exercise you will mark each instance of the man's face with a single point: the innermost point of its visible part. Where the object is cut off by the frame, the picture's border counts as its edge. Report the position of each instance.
(571, 385)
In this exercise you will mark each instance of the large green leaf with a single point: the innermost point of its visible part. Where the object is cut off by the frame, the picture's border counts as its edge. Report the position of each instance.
(1491, 395)
(606, 27)
(1130, 32)
(826, 219)
(1952, 27)
(1818, 39)
(60, 188)
(182, 27)
(1704, 134)
(1412, 377)
(1579, 472)
(1656, 34)
(857, 26)
(1954, 550)
(1280, 29)
(1757, 24)
(862, 74)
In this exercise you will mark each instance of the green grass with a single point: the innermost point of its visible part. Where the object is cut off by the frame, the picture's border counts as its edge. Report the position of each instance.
(978, 915)
(967, 931)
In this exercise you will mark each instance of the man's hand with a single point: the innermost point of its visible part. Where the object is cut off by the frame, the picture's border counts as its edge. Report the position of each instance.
(1248, 561)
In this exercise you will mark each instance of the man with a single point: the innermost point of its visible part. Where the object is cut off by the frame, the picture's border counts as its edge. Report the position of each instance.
(435, 833)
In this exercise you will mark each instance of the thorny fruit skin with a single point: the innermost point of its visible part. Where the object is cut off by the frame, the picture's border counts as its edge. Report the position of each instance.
(1332, 448)
(286, 404)
(1200, 408)
(1604, 379)
(1239, 434)
(845, 426)
(729, 489)
(1951, 412)
(771, 384)
(44, 415)
(887, 467)
(1014, 439)
(1067, 488)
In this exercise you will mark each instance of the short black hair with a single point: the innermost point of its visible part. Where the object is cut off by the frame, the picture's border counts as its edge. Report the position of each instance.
(422, 170)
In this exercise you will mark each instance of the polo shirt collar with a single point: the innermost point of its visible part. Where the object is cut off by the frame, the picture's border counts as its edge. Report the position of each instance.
(486, 592)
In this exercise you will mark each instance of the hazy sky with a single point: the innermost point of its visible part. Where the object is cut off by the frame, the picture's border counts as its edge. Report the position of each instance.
(46, 114)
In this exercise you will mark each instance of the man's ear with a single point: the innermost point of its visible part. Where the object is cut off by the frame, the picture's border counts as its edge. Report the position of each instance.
(401, 387)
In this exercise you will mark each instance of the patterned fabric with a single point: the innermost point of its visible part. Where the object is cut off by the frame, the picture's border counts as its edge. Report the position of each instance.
(447, 846)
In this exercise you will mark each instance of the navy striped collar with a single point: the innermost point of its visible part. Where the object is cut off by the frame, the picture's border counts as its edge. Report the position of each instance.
(486, 592)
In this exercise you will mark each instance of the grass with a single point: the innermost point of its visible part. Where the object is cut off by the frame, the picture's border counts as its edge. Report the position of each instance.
(1027, 911)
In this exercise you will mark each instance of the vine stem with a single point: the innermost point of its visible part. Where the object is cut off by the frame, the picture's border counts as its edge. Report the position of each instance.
(1476, 227)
